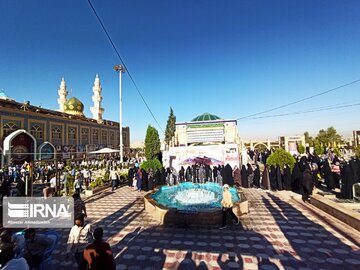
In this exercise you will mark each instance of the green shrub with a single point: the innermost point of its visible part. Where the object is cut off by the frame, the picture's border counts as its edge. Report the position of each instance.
(123, 176)
(357, 151)
(97, 183)
(301, 149)
(151, 164)
(337, 152)
(319, 149)
(281, 157)
(70, 185)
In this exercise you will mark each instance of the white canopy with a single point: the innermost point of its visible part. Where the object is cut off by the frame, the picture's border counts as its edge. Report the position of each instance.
(105, 150)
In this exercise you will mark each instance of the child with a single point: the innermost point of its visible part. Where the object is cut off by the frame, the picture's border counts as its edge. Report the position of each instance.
(134, 183)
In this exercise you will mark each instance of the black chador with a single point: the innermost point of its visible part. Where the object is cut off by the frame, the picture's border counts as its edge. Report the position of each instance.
(272, 175)
(244, 177)
(278, 178)
(287, 178)
(228, 178)
(256, 181)
(162, 176)
(295, 178)
(157, 178)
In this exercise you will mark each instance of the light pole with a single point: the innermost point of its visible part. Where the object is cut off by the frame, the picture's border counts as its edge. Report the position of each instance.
(120, 69)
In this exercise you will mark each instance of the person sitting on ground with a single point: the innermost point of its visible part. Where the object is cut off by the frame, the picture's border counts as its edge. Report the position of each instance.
(16, 241)
(6, 246)
(227, 205)
(10, 262)
(79, 206)
(98, 255)
(35, 246)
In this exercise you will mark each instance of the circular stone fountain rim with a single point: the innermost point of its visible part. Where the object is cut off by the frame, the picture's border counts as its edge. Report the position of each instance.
(195, 208)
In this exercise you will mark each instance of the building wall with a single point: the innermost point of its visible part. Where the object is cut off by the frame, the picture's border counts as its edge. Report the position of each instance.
(218, 131)
(62, 131)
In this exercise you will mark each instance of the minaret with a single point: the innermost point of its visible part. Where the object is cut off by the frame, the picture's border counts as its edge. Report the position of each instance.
(62, 95)
(97, 111)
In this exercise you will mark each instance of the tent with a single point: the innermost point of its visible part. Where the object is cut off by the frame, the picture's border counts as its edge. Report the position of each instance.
(105, 150)
(202, 160)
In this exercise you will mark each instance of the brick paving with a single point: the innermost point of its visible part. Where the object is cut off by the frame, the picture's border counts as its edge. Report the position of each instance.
(278, 233)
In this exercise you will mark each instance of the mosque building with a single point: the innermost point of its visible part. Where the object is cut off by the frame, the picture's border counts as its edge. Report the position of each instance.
(31, 133)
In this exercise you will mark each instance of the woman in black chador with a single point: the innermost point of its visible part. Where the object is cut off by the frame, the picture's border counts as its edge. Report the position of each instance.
(207, 173)
(162, 176)
(181, 175)
(215, 170)
(265, 180)
(287, 178)
(151, 179)
(329, 179)
(194, 174)
(228, 178)
(157, 178)
(256, 181)
(244, 177)
(347, 181)
(278, 178)
(145, 180)
(303, 164)
(272, 176)
(295, 178)
(306, 185)
(188, 174)
(355, 169)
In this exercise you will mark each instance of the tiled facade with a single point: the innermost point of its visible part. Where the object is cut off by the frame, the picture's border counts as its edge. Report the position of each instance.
(60, 129)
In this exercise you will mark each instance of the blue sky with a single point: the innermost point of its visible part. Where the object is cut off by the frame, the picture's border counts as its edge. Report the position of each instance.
(230, 58)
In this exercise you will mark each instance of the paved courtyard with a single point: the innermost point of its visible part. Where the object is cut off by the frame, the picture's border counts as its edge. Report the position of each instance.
(278, 233)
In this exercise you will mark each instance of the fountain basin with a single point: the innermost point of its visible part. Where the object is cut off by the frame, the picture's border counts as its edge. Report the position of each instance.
(191, 204)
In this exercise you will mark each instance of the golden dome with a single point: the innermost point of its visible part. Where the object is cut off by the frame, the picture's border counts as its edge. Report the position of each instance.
(74, 106)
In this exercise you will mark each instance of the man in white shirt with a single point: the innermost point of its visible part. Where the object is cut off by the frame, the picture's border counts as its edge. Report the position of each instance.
(53, 182)
(80, 236)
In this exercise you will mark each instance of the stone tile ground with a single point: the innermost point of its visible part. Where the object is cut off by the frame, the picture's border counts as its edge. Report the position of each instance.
(278, 233)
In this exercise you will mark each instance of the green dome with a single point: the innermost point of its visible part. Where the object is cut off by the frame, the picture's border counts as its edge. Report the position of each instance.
(74, 106)
(205, 117)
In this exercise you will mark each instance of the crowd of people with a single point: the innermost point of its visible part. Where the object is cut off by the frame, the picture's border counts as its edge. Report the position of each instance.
(324, 172)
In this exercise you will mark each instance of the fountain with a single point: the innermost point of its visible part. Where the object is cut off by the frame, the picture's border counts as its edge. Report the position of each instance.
(189, 203)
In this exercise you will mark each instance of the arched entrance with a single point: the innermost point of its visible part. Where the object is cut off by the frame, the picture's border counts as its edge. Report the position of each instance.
(19, 146)
(46, 151)
(261, 146)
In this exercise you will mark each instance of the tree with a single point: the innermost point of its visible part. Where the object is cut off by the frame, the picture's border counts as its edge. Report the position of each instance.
(357, 151)
(308, 139)
(281, 157)
(170, 127)
(319, 149)
(301, 149)
(154, 164)
(152, 143)
(329, 137)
